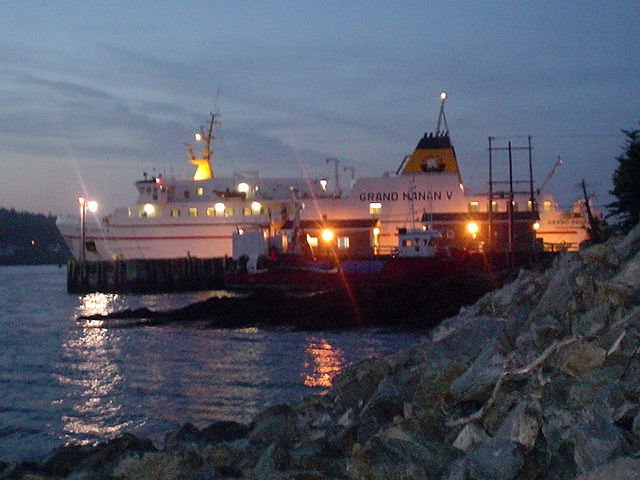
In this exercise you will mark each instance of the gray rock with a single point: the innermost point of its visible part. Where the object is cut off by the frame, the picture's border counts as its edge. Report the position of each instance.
(463, 337)
(355, 386)
(384, 405)
(623, 468)
(275, 424)
(624, 288)
(457, 470)
(496, 459)
(581, 358)
(470, 435)
(477, 382)
(403, 448)
(275, 458)
(629, 245)
(593, 321)
(558, 292)
(103, 457)
(596, 443)
(522, 424)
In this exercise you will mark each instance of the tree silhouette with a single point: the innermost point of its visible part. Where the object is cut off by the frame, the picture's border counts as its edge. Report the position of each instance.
(626, 184)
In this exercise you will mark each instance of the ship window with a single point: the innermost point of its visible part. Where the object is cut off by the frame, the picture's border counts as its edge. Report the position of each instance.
(494, 206)
(175, 212)
(200, 191)
(211, 211)
(529, 206)
(155, 194)
(515, 206)
(193, 212)
(187, 194)
(228, 212)
(375, 208)
(546, 206)
(246, 211)
(343, 242)
(312, 241)
(474, 207)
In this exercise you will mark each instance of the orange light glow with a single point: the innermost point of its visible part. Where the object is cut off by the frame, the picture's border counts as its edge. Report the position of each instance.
(326, 362)
(327, 235)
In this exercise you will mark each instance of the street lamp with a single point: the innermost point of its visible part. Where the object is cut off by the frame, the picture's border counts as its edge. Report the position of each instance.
(91, 206)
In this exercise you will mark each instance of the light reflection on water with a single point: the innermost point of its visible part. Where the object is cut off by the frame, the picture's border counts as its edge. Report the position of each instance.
(65, 381)
(324, 363)
(92, 377)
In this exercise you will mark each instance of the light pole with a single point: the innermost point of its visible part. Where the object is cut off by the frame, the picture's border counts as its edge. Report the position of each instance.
(81, 248)
(92, 206)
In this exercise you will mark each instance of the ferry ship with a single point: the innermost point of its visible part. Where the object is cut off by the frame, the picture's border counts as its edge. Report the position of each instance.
(198, 216)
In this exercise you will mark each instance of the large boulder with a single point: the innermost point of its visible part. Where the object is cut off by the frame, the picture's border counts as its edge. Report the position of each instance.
(496, 459)
(477, 382)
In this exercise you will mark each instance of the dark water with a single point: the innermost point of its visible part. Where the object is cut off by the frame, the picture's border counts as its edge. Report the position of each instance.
(61, 381)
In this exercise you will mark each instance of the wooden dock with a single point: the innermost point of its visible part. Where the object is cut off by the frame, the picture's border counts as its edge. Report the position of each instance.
(146, 276)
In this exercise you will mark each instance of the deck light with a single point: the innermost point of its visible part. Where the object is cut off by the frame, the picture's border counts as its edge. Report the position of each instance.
(243, 187)
(149, 209)
(198, 137)
(219, 208)
(536, 226)
(327, 235)
(92, 206)
(323, 184)
(256, 207)
(473, 229)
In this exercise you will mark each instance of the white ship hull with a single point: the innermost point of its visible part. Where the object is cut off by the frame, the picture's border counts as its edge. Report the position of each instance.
(151, 240)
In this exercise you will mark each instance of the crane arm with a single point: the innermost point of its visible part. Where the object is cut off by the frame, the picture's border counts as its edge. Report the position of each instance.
(551, 174)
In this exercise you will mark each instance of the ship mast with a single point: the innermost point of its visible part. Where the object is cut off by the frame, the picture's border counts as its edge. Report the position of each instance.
(204, 170)
(441, 116)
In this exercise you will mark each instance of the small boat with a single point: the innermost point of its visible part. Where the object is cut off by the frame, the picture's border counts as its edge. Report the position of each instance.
(263, 261)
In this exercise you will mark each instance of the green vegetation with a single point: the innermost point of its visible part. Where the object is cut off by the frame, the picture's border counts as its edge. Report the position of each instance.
(626, 184)
(30, 239)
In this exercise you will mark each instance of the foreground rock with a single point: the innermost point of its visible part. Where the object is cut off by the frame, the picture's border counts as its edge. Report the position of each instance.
(538, 380)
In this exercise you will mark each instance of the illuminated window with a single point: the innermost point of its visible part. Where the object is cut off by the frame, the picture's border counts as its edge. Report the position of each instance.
(211, 211)
(474, 207)
(199, 191)
(494, 206)
(256, 208)
(312, 241)
(529, 206)
(219, 209)
(375, 208)
(175, 212)
(546, 206)
(515, 206)
(246, 211)
(193, 212)
(343, 242)
(228, 212)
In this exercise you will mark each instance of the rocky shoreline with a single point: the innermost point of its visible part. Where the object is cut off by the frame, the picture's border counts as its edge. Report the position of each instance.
(537, 380)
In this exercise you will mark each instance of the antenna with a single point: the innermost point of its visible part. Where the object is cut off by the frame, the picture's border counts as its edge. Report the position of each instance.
(441, 116)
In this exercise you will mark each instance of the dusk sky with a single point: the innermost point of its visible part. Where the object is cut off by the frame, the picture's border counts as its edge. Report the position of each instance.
(95, 93)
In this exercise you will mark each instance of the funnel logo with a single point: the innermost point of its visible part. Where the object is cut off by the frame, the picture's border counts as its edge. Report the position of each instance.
(432, 164)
